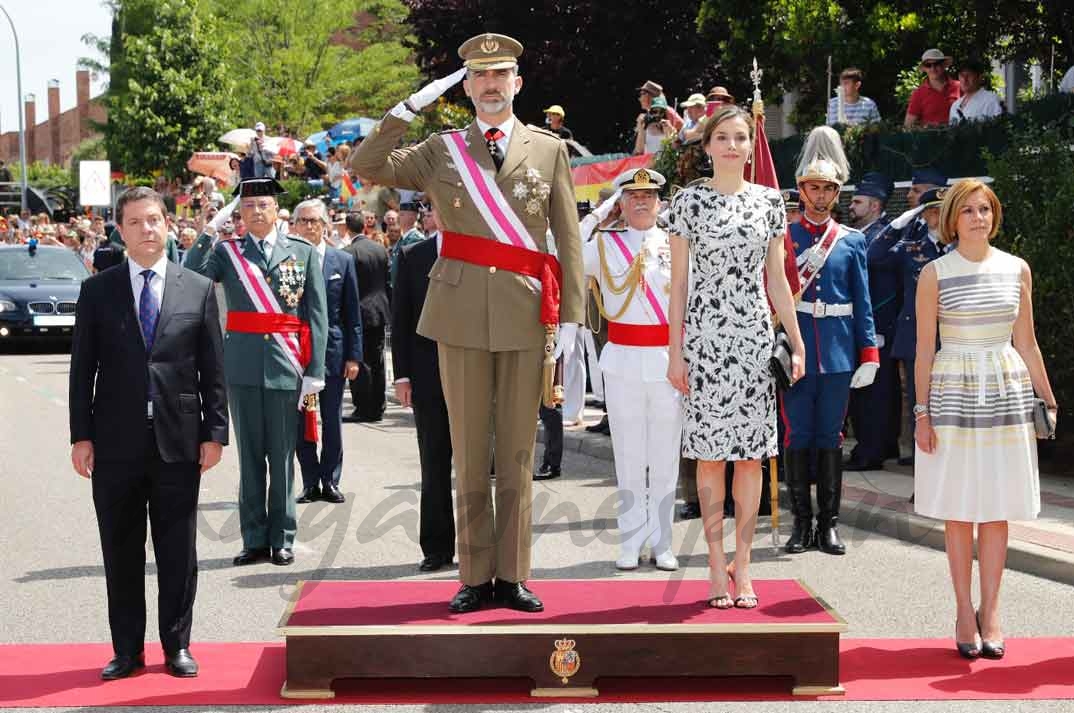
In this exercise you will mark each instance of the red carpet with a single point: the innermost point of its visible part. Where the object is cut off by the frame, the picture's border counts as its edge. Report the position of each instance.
(592, 602)
(65, 675)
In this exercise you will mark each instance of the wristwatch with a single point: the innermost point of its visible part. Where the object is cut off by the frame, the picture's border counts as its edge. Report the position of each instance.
(920, 409)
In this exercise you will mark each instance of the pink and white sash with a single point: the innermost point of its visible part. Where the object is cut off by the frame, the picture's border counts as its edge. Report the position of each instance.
(655, 307)
(263, 300)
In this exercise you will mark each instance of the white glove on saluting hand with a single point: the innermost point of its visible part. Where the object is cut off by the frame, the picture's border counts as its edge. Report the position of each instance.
(427, 95)
(566, 341)
(309, 386)
(605, 209)
(864, 375)
(221, 217)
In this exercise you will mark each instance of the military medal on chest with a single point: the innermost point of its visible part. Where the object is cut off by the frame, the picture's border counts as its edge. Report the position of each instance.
(532, 190)
(292, 278)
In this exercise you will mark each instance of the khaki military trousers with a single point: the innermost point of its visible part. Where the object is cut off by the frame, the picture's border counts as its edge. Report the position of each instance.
(492, 395)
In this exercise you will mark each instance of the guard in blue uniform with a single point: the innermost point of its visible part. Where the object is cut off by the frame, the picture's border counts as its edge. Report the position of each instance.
(875, 409)
(909, 243)
(836, 321)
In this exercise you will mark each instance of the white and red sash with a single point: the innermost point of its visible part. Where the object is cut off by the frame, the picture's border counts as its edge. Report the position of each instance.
(264, 302)
(653, 306)
(812, 260)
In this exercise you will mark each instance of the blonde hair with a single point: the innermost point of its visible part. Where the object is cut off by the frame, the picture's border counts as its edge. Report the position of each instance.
(953, 200)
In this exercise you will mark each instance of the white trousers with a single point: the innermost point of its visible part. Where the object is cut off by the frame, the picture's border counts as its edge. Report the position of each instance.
(646, 425)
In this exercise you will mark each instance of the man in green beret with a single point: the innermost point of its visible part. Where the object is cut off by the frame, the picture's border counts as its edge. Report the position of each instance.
(277, 327)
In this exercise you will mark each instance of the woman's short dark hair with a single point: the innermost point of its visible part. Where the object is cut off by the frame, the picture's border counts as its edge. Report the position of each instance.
(726, 113)
(138, 193)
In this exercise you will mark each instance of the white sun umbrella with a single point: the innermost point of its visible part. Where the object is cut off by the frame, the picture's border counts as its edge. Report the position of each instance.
(238, 137)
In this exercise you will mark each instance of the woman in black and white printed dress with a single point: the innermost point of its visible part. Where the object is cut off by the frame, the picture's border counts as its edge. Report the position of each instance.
(732, 232)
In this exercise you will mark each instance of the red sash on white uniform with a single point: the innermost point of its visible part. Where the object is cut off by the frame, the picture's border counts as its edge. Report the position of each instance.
(657, 309)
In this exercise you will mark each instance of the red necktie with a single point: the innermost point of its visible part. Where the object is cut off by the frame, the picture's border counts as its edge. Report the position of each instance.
(491, 137)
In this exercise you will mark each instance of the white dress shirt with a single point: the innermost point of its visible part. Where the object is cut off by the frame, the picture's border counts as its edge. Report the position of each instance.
(267, 243)
(320, 247)
(506, 127)
(156, 284)
(982, 104)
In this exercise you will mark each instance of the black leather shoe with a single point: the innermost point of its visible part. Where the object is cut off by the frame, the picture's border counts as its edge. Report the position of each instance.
(252, 556)
(515, 595)
(283, 556)
(602, 427)
(332, 494)
(181, 664)
(469, 598)
(122, 666)
(689, 511)
(546, 472)
(308, 495)
(431, 563)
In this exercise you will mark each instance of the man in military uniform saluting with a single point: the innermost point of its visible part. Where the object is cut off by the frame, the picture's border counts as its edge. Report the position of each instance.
(493, 298)
(277, 327)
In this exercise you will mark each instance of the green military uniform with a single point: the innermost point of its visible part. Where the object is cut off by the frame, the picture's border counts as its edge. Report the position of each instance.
(487, 321)
(263, 387)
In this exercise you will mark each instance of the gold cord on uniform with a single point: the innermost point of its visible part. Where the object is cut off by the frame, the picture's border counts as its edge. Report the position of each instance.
(632, 278)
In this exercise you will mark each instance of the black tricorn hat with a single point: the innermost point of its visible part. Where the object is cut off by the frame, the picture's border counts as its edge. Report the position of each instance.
(253, 187)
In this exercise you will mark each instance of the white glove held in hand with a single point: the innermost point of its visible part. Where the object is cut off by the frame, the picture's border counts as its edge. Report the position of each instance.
(566, 340)
(309, 386)
(864, 375)
(427, 95)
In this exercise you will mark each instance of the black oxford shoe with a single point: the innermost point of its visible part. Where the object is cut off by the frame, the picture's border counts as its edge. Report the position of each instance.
(469, 598)
(122, 666)
(283, 556)
(332, 494)
(602, 427)
(515, 595)
(181, 664)
(308, 495)
(252, 555)
(689, 511)
(546, 472)
(431, 563)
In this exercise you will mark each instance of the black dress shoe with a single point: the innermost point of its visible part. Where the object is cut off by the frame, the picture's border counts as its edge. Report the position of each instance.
(857, 465)
(332, 494)
(602, 427)
(471, 598)
(252, 556)
(283, 556)
(689, 511)
(546, 472)
(122, 666)
(431, 563)
(308, 495)
(515, 595)
(181, 664)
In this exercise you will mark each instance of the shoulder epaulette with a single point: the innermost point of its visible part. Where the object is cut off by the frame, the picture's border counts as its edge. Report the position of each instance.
(546, 132)
(299, 239)
(451, 131)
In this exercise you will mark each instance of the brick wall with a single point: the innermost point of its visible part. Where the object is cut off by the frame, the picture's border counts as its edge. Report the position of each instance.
(68, 129)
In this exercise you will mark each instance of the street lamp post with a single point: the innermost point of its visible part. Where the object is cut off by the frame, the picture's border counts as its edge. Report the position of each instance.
(18, 110)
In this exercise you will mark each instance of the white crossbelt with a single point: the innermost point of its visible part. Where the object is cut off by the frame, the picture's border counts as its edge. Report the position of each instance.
(820, 309)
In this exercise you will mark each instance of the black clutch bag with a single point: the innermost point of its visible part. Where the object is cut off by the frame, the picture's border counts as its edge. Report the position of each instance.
(780, 363)
(1042, 420)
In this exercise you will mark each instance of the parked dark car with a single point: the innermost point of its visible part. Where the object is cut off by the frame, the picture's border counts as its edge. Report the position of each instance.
(39, 287)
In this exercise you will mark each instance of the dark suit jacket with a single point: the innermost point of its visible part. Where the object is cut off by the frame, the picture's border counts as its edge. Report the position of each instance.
(111, 376)
(371, 261)
(344, 315)
(413, 356)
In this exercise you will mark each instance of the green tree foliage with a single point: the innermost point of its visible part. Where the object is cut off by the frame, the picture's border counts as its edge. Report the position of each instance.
(44, 176)
(168, 95)
(589, 57)
(792, 39)
(306, 64)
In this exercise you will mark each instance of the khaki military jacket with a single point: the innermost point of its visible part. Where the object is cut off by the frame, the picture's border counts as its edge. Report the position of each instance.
(470, 305)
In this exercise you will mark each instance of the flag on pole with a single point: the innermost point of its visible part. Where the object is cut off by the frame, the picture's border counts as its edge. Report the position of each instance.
(348, 190)
(761, 169)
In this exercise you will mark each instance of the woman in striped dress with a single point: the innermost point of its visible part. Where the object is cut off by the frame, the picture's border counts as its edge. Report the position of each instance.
(976, 444)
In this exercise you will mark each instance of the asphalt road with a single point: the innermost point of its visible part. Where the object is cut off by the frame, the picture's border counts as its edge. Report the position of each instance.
(52, 584)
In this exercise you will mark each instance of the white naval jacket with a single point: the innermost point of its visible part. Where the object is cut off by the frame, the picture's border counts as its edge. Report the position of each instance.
(644, 364)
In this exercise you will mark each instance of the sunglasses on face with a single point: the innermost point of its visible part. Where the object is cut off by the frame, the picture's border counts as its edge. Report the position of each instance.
(933, 64)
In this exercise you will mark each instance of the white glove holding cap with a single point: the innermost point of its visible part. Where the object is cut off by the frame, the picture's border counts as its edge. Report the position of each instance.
(310, 385)
(566, 340)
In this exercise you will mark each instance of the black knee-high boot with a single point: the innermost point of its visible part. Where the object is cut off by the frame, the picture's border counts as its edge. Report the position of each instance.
(829, 496)
(796, 467)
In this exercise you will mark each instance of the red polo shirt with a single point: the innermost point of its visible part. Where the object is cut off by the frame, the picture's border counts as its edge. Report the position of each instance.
(933, 107)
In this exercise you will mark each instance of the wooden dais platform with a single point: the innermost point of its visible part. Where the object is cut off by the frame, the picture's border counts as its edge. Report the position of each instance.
(652, 628)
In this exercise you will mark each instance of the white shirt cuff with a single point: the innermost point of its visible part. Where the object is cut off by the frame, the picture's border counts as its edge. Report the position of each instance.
(402, 380)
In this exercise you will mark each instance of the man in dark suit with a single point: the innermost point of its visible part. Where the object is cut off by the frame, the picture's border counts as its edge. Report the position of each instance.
(320, 477)
(148, 416)
(371, 262)
(417, 384)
